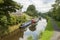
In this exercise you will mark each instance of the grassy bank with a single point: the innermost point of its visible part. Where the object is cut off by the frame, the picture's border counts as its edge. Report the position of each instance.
(46, 35)
(16, 19)
(14, 27)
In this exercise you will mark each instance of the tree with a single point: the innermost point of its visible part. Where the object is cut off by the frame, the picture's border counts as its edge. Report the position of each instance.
(31, 10)
(6, 7)
(56, 10)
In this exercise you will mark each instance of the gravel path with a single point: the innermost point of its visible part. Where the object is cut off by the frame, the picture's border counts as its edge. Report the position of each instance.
(56, 35)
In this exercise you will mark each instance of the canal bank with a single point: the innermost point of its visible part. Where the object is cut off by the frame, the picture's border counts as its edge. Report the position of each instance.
(47, 34)
(23, 34)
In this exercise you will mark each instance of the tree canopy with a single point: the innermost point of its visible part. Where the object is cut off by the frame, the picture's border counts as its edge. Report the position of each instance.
(31, 10)
(6, 7)
(55, 12)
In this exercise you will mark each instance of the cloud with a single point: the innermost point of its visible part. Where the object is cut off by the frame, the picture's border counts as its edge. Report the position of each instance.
(41, 5)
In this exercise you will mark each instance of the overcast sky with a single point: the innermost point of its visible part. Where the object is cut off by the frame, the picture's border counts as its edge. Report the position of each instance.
(41, 5)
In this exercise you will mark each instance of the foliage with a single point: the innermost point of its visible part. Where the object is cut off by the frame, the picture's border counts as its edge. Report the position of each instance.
(21, 19)
(17, 19)
(3, 24)
(9, 6)
(56, 10)
(31, 10)
(58, 23)
(12, 20)
(6, 7)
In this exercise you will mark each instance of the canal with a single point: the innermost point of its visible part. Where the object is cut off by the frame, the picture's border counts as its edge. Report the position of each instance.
(33, 30)
(24, 33)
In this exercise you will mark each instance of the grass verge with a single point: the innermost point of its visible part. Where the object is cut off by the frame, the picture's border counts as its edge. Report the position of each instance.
(46, 35)
(14, 27)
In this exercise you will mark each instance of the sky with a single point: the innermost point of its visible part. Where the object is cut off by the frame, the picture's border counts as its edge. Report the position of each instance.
(41, 5)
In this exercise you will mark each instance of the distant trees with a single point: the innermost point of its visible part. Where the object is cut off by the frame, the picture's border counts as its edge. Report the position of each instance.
(56, 10)
(31, 10)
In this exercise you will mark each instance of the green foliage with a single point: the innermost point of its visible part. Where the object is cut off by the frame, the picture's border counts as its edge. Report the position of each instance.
(23, 18)
(16, 19)
(56, 10)
(3, 24)
(6, 7)
(3, 20)
(31, 8)
(58, 23)
(12, 20)
(31, 11)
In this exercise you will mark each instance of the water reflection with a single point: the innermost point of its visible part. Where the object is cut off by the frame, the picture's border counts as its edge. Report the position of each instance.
(32, 27)
(33, 30)
(23, 33)
(22, 30)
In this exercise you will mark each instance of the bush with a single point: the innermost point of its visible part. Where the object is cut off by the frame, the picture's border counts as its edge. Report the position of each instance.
(23, 18)
(12, 20)
(18, 20)
(3, 24)
(3, 19)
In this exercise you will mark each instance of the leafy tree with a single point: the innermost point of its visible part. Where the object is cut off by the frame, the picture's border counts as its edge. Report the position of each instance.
(6, 7)
(31, 10)
(56, 10)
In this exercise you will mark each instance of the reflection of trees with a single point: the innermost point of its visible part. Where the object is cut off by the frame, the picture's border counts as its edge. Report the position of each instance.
(40, 18)
(22, 32)
(32, 27)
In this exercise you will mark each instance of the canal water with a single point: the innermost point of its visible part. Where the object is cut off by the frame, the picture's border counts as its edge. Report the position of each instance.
(33, 30)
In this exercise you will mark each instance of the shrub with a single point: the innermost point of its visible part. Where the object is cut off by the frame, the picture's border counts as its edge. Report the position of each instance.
(3, 24)
(12, 20)
(23, 18)
(18, 20)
